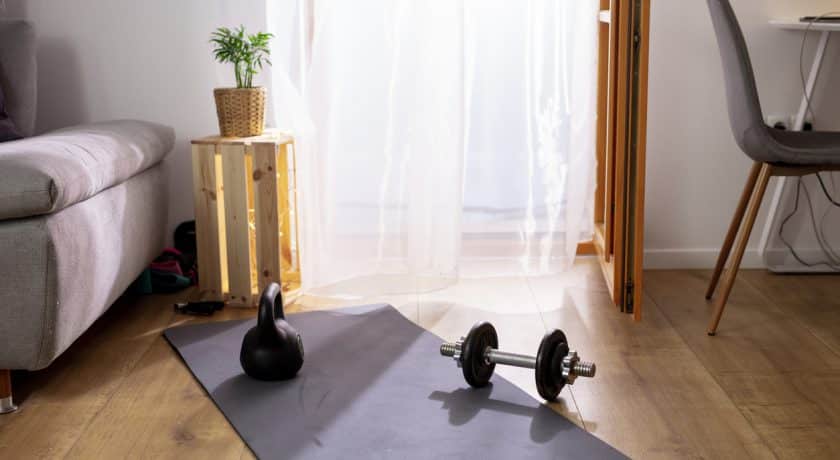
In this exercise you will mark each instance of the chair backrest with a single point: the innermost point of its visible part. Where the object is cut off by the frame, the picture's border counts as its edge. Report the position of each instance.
(18, 76)
(745, 116)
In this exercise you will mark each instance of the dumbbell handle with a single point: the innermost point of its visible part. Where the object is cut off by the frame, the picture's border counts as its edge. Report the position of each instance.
(511, 359)
(581, 368)
(495, 356)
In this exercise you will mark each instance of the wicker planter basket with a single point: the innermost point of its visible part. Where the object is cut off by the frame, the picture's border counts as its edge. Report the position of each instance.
(241, 111)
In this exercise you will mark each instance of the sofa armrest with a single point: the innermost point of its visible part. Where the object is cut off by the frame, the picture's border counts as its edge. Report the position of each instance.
(47, 173)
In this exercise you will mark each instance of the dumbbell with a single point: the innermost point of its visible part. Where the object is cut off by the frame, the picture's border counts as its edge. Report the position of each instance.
(555, 364)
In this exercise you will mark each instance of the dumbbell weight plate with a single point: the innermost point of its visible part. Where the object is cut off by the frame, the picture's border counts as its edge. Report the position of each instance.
(477, 370)
(550, 382)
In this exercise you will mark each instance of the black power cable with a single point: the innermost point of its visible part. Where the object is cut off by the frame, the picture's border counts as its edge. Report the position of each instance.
(825, 190)
(799, 187)
(833, 255)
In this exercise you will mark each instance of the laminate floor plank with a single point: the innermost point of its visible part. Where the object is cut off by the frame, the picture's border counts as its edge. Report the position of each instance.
(57, 403)
(779, 373)
(651, 397)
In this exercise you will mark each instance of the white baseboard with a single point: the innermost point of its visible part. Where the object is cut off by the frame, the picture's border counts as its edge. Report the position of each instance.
(661, 259)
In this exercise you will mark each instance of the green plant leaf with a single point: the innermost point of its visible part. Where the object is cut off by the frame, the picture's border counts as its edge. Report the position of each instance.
(247, 52)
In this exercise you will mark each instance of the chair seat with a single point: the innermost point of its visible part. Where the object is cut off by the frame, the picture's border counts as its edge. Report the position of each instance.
(808, 147)
(47, 173)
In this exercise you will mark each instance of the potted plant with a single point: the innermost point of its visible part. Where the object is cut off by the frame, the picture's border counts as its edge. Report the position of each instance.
(241, 110)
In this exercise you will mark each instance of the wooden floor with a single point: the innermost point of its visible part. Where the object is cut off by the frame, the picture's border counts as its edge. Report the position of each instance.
(768, 386)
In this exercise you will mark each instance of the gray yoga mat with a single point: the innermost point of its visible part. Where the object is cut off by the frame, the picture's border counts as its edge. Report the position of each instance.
(373, 385)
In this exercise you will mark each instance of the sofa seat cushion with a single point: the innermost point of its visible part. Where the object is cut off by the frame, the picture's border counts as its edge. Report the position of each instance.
(47, 173)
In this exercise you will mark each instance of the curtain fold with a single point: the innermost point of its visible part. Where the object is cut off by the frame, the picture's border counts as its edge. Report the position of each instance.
(434, 135)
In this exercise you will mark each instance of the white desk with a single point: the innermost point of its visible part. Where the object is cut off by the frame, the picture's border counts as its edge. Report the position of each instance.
(774, 217)
(795, 24)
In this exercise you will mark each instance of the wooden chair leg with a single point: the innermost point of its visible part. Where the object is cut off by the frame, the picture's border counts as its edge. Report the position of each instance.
(737, 218)
(6, 403)
(741, 246)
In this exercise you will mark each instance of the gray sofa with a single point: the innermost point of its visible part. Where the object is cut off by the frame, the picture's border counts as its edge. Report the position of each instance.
(82, 211)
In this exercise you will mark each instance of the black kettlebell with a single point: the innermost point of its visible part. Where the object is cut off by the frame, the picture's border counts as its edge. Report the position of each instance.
(271, 350)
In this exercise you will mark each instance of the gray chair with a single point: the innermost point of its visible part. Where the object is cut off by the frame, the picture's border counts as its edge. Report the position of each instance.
(775, 152)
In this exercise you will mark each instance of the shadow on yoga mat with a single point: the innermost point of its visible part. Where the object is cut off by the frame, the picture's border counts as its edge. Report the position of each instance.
(373, 385)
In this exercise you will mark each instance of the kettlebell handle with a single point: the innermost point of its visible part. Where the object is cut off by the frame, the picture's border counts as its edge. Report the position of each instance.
(271, 305)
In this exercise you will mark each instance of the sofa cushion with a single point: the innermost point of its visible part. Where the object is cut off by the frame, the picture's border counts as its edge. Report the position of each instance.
(8, 132)
(18, 72)
(47, 173)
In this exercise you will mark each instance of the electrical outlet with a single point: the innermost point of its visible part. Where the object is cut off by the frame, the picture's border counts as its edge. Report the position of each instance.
(784, 122)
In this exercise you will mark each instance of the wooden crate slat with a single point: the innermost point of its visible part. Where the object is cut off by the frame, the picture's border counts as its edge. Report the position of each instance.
(288, 203)
(293, 206)
(219, 211)
(252, 233)
(283, 207)
(206, 191)
(239, 255)
(267, 218)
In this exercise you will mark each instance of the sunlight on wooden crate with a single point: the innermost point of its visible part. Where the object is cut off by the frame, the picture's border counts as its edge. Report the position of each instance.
(246, 225)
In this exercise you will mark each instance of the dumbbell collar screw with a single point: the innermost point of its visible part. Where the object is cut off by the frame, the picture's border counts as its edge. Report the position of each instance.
(454, 349)
(569, 367)
(573, 368)
(459, 351)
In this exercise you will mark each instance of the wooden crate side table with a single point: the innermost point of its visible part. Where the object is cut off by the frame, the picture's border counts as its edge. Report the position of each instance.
(245, 216)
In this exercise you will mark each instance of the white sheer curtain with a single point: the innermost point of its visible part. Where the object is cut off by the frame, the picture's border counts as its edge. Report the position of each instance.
(435, 134)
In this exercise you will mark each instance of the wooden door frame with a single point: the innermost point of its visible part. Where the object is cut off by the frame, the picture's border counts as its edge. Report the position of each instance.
(620, 146)
(638, 216)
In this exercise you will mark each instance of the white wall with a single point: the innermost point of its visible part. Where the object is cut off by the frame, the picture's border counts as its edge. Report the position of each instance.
(695, 171)
(149, 59)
